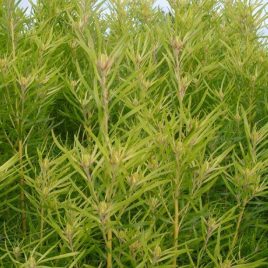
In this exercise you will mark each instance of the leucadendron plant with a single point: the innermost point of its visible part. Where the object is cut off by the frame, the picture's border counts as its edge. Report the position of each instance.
(132, 136)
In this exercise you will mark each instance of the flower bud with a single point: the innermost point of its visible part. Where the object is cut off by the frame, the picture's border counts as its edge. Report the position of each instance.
(176, 45)
(103, 210)
(24, 82)
(161, 139)
(51, 203)
(45, 165)
(146, 83)
(86, 160)
(157, 254)
(255, 136)
(227, 264)
(83, 22)
(116, 158)
(45, 80)
(153, 203)
(45, 192)
(17, 252)
(3, 63)
(237, 117)
(133, 179)
(43, 47)
(153, 163)
(134, 247)
(135, 102)
(211, 226)
(69, 233)
(74, 83)
(179, 148)
(138, 59)
(104, 64)
(73, 44)
(122, 236)
(183, 85)
(31, 263)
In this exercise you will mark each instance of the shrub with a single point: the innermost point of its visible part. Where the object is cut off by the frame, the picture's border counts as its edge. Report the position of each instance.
(131, 137)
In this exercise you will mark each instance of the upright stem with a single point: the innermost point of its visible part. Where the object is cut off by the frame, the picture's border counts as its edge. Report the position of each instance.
(105, 98)
(240, 217)
(12, 38)
(109, 247)
(105, 102)
(104, 63)
(176, 224)
(22, 184)
(11, 9)
(42, 224)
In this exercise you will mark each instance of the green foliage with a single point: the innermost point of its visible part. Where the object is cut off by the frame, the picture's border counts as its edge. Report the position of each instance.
(130, 137)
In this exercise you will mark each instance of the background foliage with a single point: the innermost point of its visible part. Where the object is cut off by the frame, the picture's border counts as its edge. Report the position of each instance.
(130, 137)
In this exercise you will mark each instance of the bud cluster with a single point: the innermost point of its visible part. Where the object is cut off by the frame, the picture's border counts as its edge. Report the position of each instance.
(153, 163)
(3, 63)
(122, 236)
(255, 137)
(104, 64)
(237, 117)
(83, 22)
(134, 247)
(86, 160)
(116, 158)
(45, 192)
(227, 264)
(133, 179)
(145, 84)
(157, 254)
(17, 252)
(103, 210)
(183, 85)
(73, 44)
(177, 45)
(31, 263)
(153, 203)
(138, 60)
(24, 82)
(74, 83)
(212, 225)
(45, 165)
(179, 148)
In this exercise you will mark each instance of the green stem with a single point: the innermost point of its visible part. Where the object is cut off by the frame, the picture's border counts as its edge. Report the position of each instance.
(105, 101)
(12, 38)
(42, 224)
(235, 238)
(22, 185)
(176, 224)
(109, 247)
